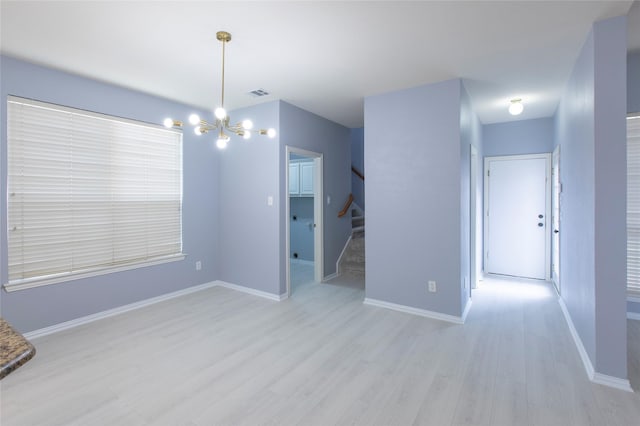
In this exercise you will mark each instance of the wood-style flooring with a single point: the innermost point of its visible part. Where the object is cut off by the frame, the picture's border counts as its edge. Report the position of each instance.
(222, 357)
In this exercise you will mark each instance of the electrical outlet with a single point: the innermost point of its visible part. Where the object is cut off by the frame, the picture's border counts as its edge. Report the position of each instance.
(198, 265)
(432, 287)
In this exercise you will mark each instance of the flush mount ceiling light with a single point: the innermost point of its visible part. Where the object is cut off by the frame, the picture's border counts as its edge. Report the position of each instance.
(516, 107)
(222, 123)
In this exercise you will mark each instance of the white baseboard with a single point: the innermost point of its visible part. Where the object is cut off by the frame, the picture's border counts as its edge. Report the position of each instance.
(342, 254)
(602, 379)
(115, 311)
(612, 382)
(586, 361)
(330, 277)
(248, 290)
(633, 316)
(300, 261)
(414, 311)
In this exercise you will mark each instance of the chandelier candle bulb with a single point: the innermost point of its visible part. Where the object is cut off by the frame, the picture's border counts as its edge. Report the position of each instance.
(170, 123)
(194, 119)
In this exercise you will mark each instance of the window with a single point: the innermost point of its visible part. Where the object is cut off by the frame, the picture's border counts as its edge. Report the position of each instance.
(88, 193)
(633, 205)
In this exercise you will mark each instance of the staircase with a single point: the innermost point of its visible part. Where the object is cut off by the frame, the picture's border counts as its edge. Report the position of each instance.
(352, 261)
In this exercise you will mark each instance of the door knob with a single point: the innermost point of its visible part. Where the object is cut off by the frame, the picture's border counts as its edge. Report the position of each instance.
(555, 231)
(540, 216)
(540, 224)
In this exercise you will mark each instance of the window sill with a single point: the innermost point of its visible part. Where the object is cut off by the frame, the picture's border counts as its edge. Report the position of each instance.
(60, 278)
(633, 297)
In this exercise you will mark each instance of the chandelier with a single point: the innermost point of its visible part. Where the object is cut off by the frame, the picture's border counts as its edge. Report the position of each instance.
(222, 120)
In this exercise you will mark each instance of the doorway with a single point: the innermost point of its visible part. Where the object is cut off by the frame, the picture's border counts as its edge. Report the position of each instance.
(304, 218)
(517, 216)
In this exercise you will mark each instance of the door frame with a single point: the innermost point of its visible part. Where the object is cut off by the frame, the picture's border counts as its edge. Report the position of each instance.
(318, 214)
(547, 242)
(555, 195)
(473, 218)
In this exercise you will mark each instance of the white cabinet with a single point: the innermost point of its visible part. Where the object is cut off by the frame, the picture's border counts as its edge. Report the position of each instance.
(294, 178)
(301, 178)
(306, 178)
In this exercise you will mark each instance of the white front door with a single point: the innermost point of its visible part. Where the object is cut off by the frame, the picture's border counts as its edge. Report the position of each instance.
(517, 216)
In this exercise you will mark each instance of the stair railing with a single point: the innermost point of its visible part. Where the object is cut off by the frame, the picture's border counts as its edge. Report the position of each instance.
(345, 209)
(357, 172)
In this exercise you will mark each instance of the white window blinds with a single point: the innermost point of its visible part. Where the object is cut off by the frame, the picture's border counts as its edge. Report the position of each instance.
(88, 193)
(633, 205)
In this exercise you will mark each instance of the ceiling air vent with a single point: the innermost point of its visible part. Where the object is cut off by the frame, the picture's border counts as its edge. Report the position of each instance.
(258, 93)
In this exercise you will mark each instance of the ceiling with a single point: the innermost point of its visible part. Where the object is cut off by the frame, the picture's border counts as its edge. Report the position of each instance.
(324, 57)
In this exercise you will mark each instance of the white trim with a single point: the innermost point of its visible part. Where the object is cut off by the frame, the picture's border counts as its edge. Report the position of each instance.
(330, 277)
(599, 378)
(301, 261)
(414, 311)
(586, 361)
(466, 310)
(633, 299)
(612, 382)
(633, 316)
(252, 291)
(66, 277)
(337, 274)
(115, 311)
(357, 207)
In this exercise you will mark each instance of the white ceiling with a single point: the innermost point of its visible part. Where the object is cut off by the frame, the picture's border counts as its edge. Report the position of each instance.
(324, 57)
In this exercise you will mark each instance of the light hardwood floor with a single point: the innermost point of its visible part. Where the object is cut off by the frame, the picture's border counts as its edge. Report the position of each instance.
(320, 358)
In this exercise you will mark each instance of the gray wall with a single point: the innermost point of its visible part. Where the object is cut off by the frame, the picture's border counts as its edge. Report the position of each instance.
(304, 130)
(40, 307)
(519, 137)
(250, 229)
(413, 195)
(590, 129)
(301, 228)
(357, 160)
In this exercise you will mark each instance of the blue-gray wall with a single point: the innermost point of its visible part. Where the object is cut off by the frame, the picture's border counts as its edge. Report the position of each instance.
(227, 223)
(253, 233)
(413, 195)
(590, 129)
(519, 137)
(40, 307)
(249, 229)
(357, 160)
(301, 228)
